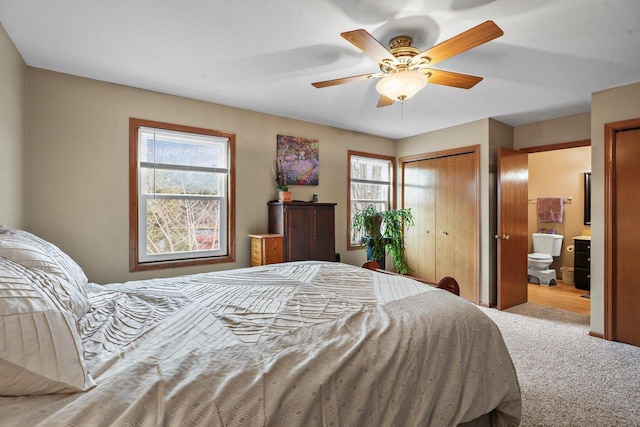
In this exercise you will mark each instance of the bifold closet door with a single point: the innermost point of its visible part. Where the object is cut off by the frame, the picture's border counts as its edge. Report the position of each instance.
(445, 168)
(466, 226)
(419, 195)
(411, 198)
(442, 195)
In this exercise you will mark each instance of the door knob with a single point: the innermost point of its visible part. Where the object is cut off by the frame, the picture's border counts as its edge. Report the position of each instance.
(502, 236)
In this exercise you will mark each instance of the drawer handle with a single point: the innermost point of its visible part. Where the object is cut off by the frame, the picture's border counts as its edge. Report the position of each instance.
(589, 247)
(588, 276)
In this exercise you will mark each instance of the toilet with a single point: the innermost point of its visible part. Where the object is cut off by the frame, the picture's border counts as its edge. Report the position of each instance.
(545, 247)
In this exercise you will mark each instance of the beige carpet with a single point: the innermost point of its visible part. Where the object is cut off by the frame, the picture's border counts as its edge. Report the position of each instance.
(567, 377)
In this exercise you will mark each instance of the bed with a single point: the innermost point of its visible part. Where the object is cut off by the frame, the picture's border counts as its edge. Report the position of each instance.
(294, 344)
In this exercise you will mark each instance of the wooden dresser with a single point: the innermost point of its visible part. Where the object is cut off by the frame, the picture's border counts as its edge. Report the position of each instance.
(266, 249)
(309, 229)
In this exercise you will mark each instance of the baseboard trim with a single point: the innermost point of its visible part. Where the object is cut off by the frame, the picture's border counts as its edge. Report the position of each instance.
(596, 334)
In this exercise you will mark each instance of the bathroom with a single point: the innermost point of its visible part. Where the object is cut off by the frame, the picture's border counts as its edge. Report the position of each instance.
(560, 173)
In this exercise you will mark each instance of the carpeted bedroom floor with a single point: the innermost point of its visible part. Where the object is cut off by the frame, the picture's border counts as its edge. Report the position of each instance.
(567, 377)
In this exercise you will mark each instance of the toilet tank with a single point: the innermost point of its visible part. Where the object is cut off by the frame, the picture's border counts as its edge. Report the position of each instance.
(550, 244)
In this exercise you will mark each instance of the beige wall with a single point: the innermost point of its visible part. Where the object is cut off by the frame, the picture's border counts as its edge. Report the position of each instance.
(608, 106)
(576, 127)
(473, 133)
(613, 105)
(13, 139)
(560, 173)
(78, 167)
(489, 134)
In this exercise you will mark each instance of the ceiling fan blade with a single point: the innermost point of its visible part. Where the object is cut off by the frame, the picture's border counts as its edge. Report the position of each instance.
(369, 45)
(449, 78)
(384, 101)
(471, 38)
(342, 80)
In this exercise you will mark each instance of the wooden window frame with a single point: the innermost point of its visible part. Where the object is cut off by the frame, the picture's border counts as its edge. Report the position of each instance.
(134, 260)
(392, 188)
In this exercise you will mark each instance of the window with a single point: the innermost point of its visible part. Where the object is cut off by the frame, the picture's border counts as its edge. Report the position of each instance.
(181, 195)
(370, 182)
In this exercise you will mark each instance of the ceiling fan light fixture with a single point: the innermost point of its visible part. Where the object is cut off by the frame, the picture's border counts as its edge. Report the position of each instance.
(402, 85)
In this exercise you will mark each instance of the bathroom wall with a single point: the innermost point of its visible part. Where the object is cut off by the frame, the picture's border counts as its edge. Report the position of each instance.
(560, 173)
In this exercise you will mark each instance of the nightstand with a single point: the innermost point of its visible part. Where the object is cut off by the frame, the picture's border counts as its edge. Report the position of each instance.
(266, 249)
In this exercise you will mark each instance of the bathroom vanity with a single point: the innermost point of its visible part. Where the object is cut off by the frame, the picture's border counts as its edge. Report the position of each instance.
(582, 262)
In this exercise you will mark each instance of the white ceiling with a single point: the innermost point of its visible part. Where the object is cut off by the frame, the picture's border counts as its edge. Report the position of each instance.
(263, 55)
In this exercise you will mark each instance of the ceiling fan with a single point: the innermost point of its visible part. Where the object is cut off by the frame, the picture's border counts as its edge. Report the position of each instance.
(404, 70)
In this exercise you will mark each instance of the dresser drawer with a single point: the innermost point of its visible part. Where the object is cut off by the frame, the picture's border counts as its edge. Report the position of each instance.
(582, 245)
(582, 278)
(582, 264)
(582, 260)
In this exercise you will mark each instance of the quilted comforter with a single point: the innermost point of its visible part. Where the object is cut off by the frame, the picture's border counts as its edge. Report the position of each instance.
(297, 344)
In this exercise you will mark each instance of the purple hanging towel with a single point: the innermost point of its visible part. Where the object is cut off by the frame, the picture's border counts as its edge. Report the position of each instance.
(550, 209)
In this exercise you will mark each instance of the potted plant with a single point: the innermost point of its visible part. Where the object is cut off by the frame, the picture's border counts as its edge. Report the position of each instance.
(383, 233)
(284, 195)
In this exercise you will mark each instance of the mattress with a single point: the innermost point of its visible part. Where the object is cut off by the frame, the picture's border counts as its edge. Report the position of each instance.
(295, 344)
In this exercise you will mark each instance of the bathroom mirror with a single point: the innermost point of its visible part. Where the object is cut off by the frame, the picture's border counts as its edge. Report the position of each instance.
(587, 198)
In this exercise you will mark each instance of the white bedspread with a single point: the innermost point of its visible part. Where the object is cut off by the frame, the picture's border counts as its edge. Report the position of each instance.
(299, 344)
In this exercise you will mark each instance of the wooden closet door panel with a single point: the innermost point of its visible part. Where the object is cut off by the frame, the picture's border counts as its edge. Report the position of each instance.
(465, 226)
(445, 223)
(427, 215)
(411, 199)
(626, 290)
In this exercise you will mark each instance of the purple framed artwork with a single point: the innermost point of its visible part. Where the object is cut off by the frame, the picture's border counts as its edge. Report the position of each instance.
(299, 159)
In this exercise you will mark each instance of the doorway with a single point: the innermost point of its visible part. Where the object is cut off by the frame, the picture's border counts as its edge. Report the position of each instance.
(554, 170)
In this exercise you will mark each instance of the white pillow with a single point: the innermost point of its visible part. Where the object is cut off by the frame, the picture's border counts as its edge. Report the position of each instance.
(33, 252)
(40, 347)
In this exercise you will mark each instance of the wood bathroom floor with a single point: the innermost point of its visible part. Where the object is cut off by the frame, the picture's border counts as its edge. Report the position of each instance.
(563, 296)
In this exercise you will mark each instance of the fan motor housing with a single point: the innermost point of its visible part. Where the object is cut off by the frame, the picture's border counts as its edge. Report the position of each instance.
(402, 50)
(401, 46)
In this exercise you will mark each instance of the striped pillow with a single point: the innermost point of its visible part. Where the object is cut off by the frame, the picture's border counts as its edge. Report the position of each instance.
(40, 347)
(33, 252)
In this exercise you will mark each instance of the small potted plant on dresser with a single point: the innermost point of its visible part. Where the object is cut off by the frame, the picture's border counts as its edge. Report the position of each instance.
(284, 195)
(383, 233)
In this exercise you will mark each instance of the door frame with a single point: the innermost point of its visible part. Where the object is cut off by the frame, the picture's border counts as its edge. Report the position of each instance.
(475, 151)
(610, 233)
(553, 147)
